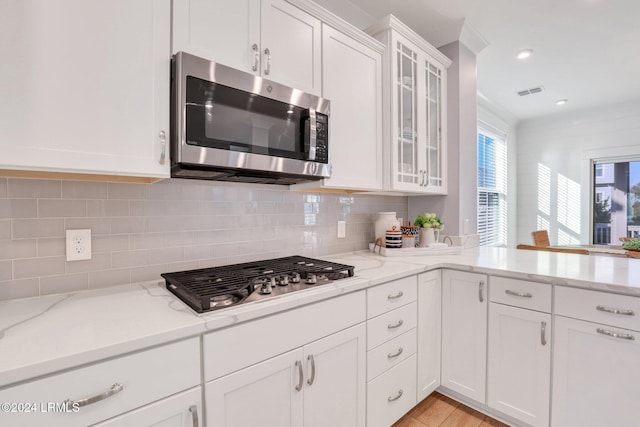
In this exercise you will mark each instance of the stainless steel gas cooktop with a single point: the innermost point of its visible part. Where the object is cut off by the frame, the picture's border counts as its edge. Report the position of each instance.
(216, 288)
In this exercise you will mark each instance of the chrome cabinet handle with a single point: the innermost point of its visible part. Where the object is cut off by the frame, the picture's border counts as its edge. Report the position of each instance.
(162, 137)
(396, 354)
(194, 415)
(300, 374)
(395, 296)
(543, 337)
(396, 397)
(396, 325)
(256, 57)
(267, 69)
(615, 310)
(615, 334)
(518, 294)
(313, 134)
(480, 293)
(313, 369)
(70, 403)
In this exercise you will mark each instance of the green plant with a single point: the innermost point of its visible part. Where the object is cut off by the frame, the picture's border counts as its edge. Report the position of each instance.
(429, 220)
(632, 244)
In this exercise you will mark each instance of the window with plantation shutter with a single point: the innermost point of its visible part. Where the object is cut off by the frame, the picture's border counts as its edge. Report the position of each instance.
(492, 187)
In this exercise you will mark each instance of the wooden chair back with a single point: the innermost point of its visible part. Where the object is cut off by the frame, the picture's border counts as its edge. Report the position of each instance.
(541, 238)
(549, 249)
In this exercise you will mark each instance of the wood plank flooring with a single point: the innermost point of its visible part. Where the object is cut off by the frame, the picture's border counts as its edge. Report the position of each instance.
(438, 410)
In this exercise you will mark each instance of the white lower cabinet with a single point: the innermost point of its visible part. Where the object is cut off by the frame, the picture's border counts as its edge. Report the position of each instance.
(596, 380)
(392, 394)
(320, 384)
(108, 389)
(464, 333)
(429, 332)
(519, 371)
(181, 410)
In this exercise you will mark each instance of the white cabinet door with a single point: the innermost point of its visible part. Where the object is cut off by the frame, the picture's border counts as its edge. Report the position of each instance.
(86, 88)
(352, 81)
(181, 410)
(429, 332)
(335, 379)
(269, 393)
(223, 31)
(596, 380)
(293, 41)
(464, 333)
(519, 372)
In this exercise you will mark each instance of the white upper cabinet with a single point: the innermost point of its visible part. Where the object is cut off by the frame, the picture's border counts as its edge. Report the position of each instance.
(414, 126)
(85, 86)
(269, 38)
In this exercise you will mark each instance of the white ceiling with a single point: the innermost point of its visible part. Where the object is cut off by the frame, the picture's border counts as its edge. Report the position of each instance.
(587, 51)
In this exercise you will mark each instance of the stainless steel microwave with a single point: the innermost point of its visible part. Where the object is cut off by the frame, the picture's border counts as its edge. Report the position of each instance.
(233, 126)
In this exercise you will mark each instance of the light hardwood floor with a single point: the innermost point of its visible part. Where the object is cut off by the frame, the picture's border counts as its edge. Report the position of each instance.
(440, 411)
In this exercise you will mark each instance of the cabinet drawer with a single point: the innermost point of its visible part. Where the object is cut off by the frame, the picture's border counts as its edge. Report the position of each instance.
(392, 394)
(521, 293)
(390, 325)
(391, 353)
(391, 295)
(237, 347)
(145, 377)
(622, 311)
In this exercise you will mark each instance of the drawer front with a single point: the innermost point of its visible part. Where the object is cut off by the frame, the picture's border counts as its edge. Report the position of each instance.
(390, 325)
(139, 374)
(237, 347)
(392, 394)
(622, 311)
(389, 354)
(391, 295)
(520, 293)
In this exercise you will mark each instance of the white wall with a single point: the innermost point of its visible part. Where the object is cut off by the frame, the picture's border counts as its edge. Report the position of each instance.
(554, 177)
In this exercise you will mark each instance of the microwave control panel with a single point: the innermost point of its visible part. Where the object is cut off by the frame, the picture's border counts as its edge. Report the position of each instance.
(322, 138)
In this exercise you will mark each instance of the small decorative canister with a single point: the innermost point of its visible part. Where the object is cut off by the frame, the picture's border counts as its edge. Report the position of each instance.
(385, 221)
(410, 230)
(408, 241)
(393, 238)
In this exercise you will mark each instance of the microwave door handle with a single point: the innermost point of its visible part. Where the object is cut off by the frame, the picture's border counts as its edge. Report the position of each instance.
(312, 134)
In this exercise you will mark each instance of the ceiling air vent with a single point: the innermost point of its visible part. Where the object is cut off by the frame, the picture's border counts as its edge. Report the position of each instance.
(531, 91)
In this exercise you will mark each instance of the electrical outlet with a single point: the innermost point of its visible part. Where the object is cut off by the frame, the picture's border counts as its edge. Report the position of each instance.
(342, 229)
(78, 245)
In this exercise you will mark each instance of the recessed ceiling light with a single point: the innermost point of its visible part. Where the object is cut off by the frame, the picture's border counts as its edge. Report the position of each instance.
(561, 101)
(523, 54)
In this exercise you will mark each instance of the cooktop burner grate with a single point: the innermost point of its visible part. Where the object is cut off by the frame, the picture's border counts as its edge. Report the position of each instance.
(199, 288)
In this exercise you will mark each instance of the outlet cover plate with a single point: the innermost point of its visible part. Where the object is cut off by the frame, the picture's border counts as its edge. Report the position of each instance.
(78, 244)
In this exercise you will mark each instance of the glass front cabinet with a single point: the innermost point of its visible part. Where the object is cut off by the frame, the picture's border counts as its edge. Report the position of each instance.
(414, 125)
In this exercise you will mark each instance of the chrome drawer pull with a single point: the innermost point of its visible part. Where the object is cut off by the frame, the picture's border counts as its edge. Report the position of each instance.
(480, 295)
(301, 375)
(615, 334)
(397, 325)
(396, 397)
(194, 415)
(70, 403)
(256, 57)
(398, 295)
(518, 294)
(313, 369)
(615, 310)
(543, 329)
(396, 354)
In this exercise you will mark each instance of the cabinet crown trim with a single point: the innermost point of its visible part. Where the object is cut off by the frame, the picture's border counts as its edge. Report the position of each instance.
(393, 23)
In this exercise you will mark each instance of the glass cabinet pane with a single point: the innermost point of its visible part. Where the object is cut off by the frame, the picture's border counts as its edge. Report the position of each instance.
(407, 124)
(434, 126)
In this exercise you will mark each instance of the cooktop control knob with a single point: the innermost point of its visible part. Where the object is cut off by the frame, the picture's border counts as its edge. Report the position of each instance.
(265, 289)
(295, 278)
(311, 279)
(283, 280)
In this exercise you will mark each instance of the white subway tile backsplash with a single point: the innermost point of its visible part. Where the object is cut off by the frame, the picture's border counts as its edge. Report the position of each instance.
(53, 208)
(30, 228)
(64, 283)
(24, 288)
(36, 267)
(34, 188)
(142, 230)
(18, 208)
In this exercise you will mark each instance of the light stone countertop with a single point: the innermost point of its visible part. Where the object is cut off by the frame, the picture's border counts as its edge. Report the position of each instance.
(42, 335)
